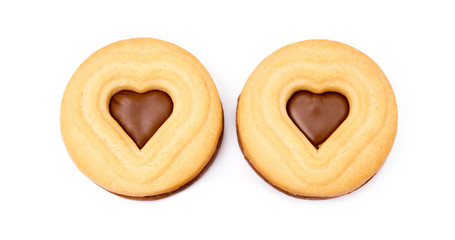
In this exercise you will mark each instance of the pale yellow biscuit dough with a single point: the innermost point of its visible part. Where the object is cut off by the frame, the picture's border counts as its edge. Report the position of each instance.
(278, 150)
(181, 147)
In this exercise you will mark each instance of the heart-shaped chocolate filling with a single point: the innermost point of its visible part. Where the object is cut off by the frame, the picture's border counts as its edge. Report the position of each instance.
(317, 115)
(140, 114)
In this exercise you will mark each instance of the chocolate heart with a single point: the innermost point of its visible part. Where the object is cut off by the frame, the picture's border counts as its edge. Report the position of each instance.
(317, 115)
(140, 114)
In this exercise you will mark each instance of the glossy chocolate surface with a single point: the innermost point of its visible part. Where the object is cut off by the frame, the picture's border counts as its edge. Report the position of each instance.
(317, 115)
(140, 114)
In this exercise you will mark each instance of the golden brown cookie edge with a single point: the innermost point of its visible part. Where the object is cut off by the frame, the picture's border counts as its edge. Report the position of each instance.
(278, 188)
(189, 183)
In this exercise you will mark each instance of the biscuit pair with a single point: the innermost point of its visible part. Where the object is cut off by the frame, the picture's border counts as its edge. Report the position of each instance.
(142, 118)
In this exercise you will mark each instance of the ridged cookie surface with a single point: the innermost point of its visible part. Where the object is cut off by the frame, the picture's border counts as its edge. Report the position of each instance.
(282, 154)
(176, 153)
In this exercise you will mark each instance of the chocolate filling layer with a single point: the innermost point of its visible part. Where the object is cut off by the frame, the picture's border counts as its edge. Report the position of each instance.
(140, 114)
(317, 115)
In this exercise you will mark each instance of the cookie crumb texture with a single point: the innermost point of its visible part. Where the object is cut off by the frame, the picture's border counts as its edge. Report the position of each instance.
(279, 151)
(179, 149)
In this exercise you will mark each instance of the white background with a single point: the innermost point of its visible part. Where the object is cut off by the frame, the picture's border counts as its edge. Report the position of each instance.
(44, 196)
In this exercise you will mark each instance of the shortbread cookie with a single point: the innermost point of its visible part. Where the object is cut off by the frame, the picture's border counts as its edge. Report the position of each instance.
(317, 119)
(141, 118)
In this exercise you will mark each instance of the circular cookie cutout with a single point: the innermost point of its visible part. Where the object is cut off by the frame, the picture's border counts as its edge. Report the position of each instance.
(141, 118)
(317, 119)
